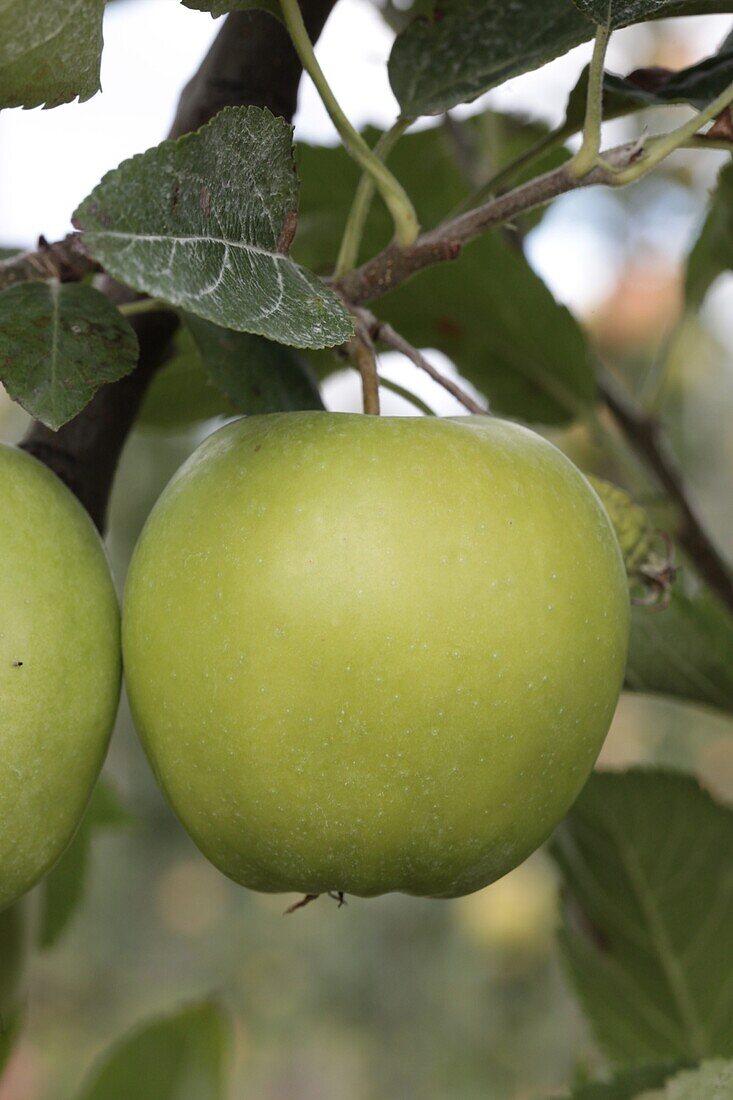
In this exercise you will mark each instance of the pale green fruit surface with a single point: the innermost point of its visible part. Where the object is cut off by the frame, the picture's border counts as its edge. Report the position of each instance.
(371, 654)
(59, 668)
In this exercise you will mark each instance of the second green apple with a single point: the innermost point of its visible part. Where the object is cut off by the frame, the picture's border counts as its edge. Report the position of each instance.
(372, 654)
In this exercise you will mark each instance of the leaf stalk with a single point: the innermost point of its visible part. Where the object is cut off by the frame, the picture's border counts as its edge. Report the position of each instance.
(659, 148)
(586, 158)
(395, 197)
(356, 220)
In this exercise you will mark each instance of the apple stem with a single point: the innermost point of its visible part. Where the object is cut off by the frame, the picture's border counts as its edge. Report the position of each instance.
(380, 331)
(360, 350)
(305, 900)
(336, 895)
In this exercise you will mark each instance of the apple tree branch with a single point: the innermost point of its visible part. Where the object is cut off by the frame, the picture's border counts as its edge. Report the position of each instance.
(251, 61)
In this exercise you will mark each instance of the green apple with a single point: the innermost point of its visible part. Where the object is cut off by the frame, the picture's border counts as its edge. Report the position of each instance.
(369, 654)
(59, 668)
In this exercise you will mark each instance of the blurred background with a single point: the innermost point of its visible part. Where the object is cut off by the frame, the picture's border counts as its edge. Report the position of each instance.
(395, 996)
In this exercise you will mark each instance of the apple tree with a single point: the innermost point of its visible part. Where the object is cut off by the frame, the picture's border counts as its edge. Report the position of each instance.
(367, 654)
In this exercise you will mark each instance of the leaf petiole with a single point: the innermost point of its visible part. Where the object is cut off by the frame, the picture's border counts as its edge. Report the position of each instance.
(586, 158)
(659, 148)
(407, 395)
(394, 195)
(142, 305)
(359, 212)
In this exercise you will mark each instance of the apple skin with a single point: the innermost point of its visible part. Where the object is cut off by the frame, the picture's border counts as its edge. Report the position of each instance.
(368, 654)
(59, 668)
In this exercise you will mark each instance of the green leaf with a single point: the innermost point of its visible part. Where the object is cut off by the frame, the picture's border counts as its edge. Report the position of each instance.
(423, 162)
(473, 45)
(50, 51)
(224, 373)
(59, 342)
(712, 253)
(14, 948)
(697, 85)
(648, 921)
(181, 1057)
(683, 651)
(10, 1028)
(221, 7)
(206, 222)
(495, 318)
(629, 1084)
(181, 392)
(256, 375)
(712, 1080)
(62, 890)
(469, 46)
(15, 944)
(622, 13)
(513, 136)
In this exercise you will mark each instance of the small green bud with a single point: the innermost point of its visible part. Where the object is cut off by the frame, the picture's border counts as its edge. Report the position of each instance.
(631, 524)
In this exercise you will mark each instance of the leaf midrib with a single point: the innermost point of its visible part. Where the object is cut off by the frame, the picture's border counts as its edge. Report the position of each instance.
(669, 963)
(157, 238)
(54, 288)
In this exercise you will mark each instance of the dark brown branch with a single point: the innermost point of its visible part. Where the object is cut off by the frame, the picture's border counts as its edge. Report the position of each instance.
(251, 61)
(65, 260)
(642, 433)
(395, 265)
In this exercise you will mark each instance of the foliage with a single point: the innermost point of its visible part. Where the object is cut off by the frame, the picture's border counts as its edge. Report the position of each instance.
(712, 1080)
(215, 372)
(684, 650)
(696, 84)
(238, 251)
(58, 344)
(206, 222)
(713, 251)
(621, 13)
(628, 1084)
(648, 924)
(10, 1027)
(254, 374)
(474, 45)
(50, 51)
(532, 361)
(182, 1056)
(182, 393)
(62, 890)
(14, 948)
(220, 7)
